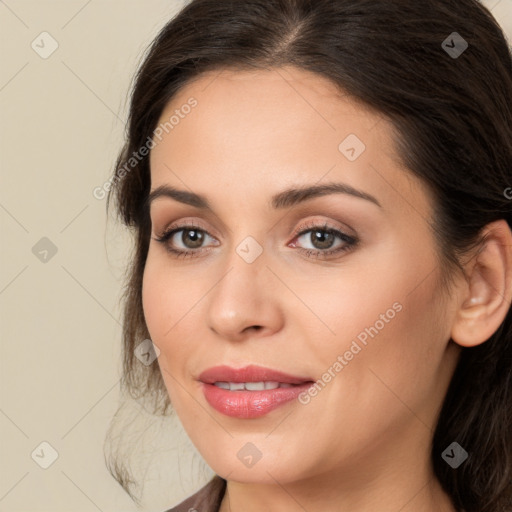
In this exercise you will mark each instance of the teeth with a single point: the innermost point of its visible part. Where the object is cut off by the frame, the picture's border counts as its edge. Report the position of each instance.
(252, 386)
(257, 386)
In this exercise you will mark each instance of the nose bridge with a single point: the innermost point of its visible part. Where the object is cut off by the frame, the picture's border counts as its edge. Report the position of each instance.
(244, 296)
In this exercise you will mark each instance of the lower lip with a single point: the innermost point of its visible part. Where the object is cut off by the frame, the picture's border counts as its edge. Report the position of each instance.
(250, 404)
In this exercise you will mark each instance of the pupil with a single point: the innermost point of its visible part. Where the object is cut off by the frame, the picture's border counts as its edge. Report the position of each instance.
(196, 237)
(323, 237)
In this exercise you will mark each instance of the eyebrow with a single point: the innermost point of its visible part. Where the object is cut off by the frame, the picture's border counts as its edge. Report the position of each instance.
(284, 199)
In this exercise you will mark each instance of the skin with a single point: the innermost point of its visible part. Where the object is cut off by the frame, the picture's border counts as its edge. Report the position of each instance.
(363, 443)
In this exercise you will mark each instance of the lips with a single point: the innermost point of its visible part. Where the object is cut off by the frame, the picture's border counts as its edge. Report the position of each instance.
(251, 373)
(250, 392)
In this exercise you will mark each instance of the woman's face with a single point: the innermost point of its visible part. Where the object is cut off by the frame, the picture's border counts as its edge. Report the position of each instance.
(334, 288)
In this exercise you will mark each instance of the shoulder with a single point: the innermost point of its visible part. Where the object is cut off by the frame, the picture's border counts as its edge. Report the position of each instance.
(207, 499)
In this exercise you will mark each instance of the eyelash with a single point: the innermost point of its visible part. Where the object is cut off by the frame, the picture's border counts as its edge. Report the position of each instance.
(350, 242)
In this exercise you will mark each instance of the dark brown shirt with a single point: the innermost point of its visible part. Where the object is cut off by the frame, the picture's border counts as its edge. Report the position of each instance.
(207, 499)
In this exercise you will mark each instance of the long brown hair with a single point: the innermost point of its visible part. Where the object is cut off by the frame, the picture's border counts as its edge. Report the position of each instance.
(441, 72)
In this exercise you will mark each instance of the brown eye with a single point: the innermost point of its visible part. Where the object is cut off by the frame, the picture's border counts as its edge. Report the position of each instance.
(195, 236)
(185, 240)
(322, 239)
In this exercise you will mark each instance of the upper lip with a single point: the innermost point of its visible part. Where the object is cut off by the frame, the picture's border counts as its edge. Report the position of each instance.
(251, 373)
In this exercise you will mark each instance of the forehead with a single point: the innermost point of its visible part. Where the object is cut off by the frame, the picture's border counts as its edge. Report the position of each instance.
(254, 132)
(267, 104)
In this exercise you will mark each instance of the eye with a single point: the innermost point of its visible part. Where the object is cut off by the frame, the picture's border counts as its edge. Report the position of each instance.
(323, 239)
(190, 237)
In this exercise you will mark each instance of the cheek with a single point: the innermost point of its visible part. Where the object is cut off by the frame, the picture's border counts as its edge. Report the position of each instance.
(392, 356)
(155, 302)
(170, 301)
(163, 305)
(166, 299)
(387, 377)
(389, 328)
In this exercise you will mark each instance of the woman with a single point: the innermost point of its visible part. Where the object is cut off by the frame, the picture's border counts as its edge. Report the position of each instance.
(320, 196)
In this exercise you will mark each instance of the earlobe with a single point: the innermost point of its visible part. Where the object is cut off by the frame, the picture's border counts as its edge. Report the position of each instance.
(488, 290)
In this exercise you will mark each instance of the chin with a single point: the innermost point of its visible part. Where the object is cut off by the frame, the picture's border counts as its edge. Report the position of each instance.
(265, 470)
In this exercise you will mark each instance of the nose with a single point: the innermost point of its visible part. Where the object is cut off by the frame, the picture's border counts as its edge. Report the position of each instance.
(245, 301)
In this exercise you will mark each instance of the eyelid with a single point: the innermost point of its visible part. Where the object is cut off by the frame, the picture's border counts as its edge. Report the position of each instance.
(327, 225)
(304, 227)
(185, 223)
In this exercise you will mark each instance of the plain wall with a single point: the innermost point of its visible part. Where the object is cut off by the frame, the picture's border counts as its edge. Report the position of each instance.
(61, 126)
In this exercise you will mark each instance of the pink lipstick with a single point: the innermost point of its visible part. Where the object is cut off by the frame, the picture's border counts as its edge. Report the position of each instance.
(250, 392)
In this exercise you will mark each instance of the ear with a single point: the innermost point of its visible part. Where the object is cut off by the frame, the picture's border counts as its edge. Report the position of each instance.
(487, 292)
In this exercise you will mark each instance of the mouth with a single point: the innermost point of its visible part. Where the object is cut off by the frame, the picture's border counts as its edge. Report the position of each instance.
(252, 386)
(251, 374)
(250, 392)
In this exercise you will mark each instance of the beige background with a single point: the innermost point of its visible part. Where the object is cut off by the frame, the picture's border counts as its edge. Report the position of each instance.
(62, 121)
